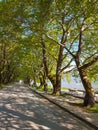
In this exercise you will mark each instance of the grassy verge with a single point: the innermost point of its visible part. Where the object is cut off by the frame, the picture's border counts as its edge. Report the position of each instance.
(88, 109)
(93, 109)
(42, 88)
(50, 88)
(79, 104)
(62, 94)
(4, 85)
(1, 86)
(64, 89)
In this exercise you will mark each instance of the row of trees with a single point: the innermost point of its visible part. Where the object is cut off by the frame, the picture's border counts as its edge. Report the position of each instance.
(50, 39)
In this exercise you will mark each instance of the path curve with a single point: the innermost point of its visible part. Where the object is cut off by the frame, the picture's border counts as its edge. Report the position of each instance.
(20, 109)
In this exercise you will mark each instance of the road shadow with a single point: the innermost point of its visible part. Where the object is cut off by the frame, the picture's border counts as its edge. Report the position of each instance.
(20, 109)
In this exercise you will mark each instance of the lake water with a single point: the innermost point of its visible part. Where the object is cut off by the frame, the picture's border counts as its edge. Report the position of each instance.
(75, 84)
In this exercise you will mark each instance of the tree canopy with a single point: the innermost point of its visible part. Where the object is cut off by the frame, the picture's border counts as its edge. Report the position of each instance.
(49, 39)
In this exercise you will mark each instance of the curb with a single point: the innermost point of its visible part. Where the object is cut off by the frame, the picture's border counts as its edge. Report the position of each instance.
(65, 109)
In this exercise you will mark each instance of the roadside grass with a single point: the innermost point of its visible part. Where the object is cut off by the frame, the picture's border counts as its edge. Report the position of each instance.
(1, 86)
(93, 109)
(64, 89)
(63, 95)
(88, 109)
(79, 104)
(4, 85)
(49, 88)
(40, 88)
(97, 92)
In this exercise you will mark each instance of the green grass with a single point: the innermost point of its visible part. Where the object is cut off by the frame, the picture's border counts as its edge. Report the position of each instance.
(64, 89)
(42, 88)
(1, 86)
(63, 95)
(88, 109)
(96, 92)
(93, 109)
(50, 88)
(4, 85)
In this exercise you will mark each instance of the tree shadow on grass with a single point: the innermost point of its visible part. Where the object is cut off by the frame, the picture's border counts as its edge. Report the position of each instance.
(86, 109)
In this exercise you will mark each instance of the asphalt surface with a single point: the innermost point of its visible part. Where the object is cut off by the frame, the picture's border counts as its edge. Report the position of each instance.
(21, 109)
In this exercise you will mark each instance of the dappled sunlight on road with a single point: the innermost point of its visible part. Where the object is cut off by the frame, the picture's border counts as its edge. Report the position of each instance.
(20, 109)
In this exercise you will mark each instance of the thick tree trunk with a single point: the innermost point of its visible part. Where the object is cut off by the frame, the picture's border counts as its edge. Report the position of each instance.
(89, 95)
(57, 87)
(44, 82)
(57, 90)
(41, 81)
(27, 80)
(48, 74)
(45, 87)
(53, 82)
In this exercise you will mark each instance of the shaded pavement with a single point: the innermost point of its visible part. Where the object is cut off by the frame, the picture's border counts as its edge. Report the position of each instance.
(71, 105)
(21, 109)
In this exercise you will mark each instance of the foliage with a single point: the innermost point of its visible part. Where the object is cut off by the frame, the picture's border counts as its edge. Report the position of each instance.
(24, 26)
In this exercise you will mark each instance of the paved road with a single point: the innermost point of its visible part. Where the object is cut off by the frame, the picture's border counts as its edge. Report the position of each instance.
(20, 109)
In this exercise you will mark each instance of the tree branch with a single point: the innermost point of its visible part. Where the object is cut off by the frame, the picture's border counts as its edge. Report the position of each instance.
(54, 41)
(70, 52)
(70, 70)
(66, 65)
(90, 57)
(90, 63)
(79, 46)
(52, 56)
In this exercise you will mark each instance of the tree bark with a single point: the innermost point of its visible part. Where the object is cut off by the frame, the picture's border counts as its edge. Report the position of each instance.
(57, 86)
(48, 74)
(82, 69)
(57, 89)
(89, 95)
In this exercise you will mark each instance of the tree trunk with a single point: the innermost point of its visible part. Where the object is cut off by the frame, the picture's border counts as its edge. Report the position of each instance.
(89, 96)
(41, 81)
(57, 87)
(27, 80)
(34, 83)
(44, 82)
(48, 74)
(53, 81)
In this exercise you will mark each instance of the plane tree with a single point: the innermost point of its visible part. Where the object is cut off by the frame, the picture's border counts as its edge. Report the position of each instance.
(84, 44)
(78, 35)
(65, 32)
(8, 61)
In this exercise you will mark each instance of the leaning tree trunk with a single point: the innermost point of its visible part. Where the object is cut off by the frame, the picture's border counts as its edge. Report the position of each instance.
(89, 95)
